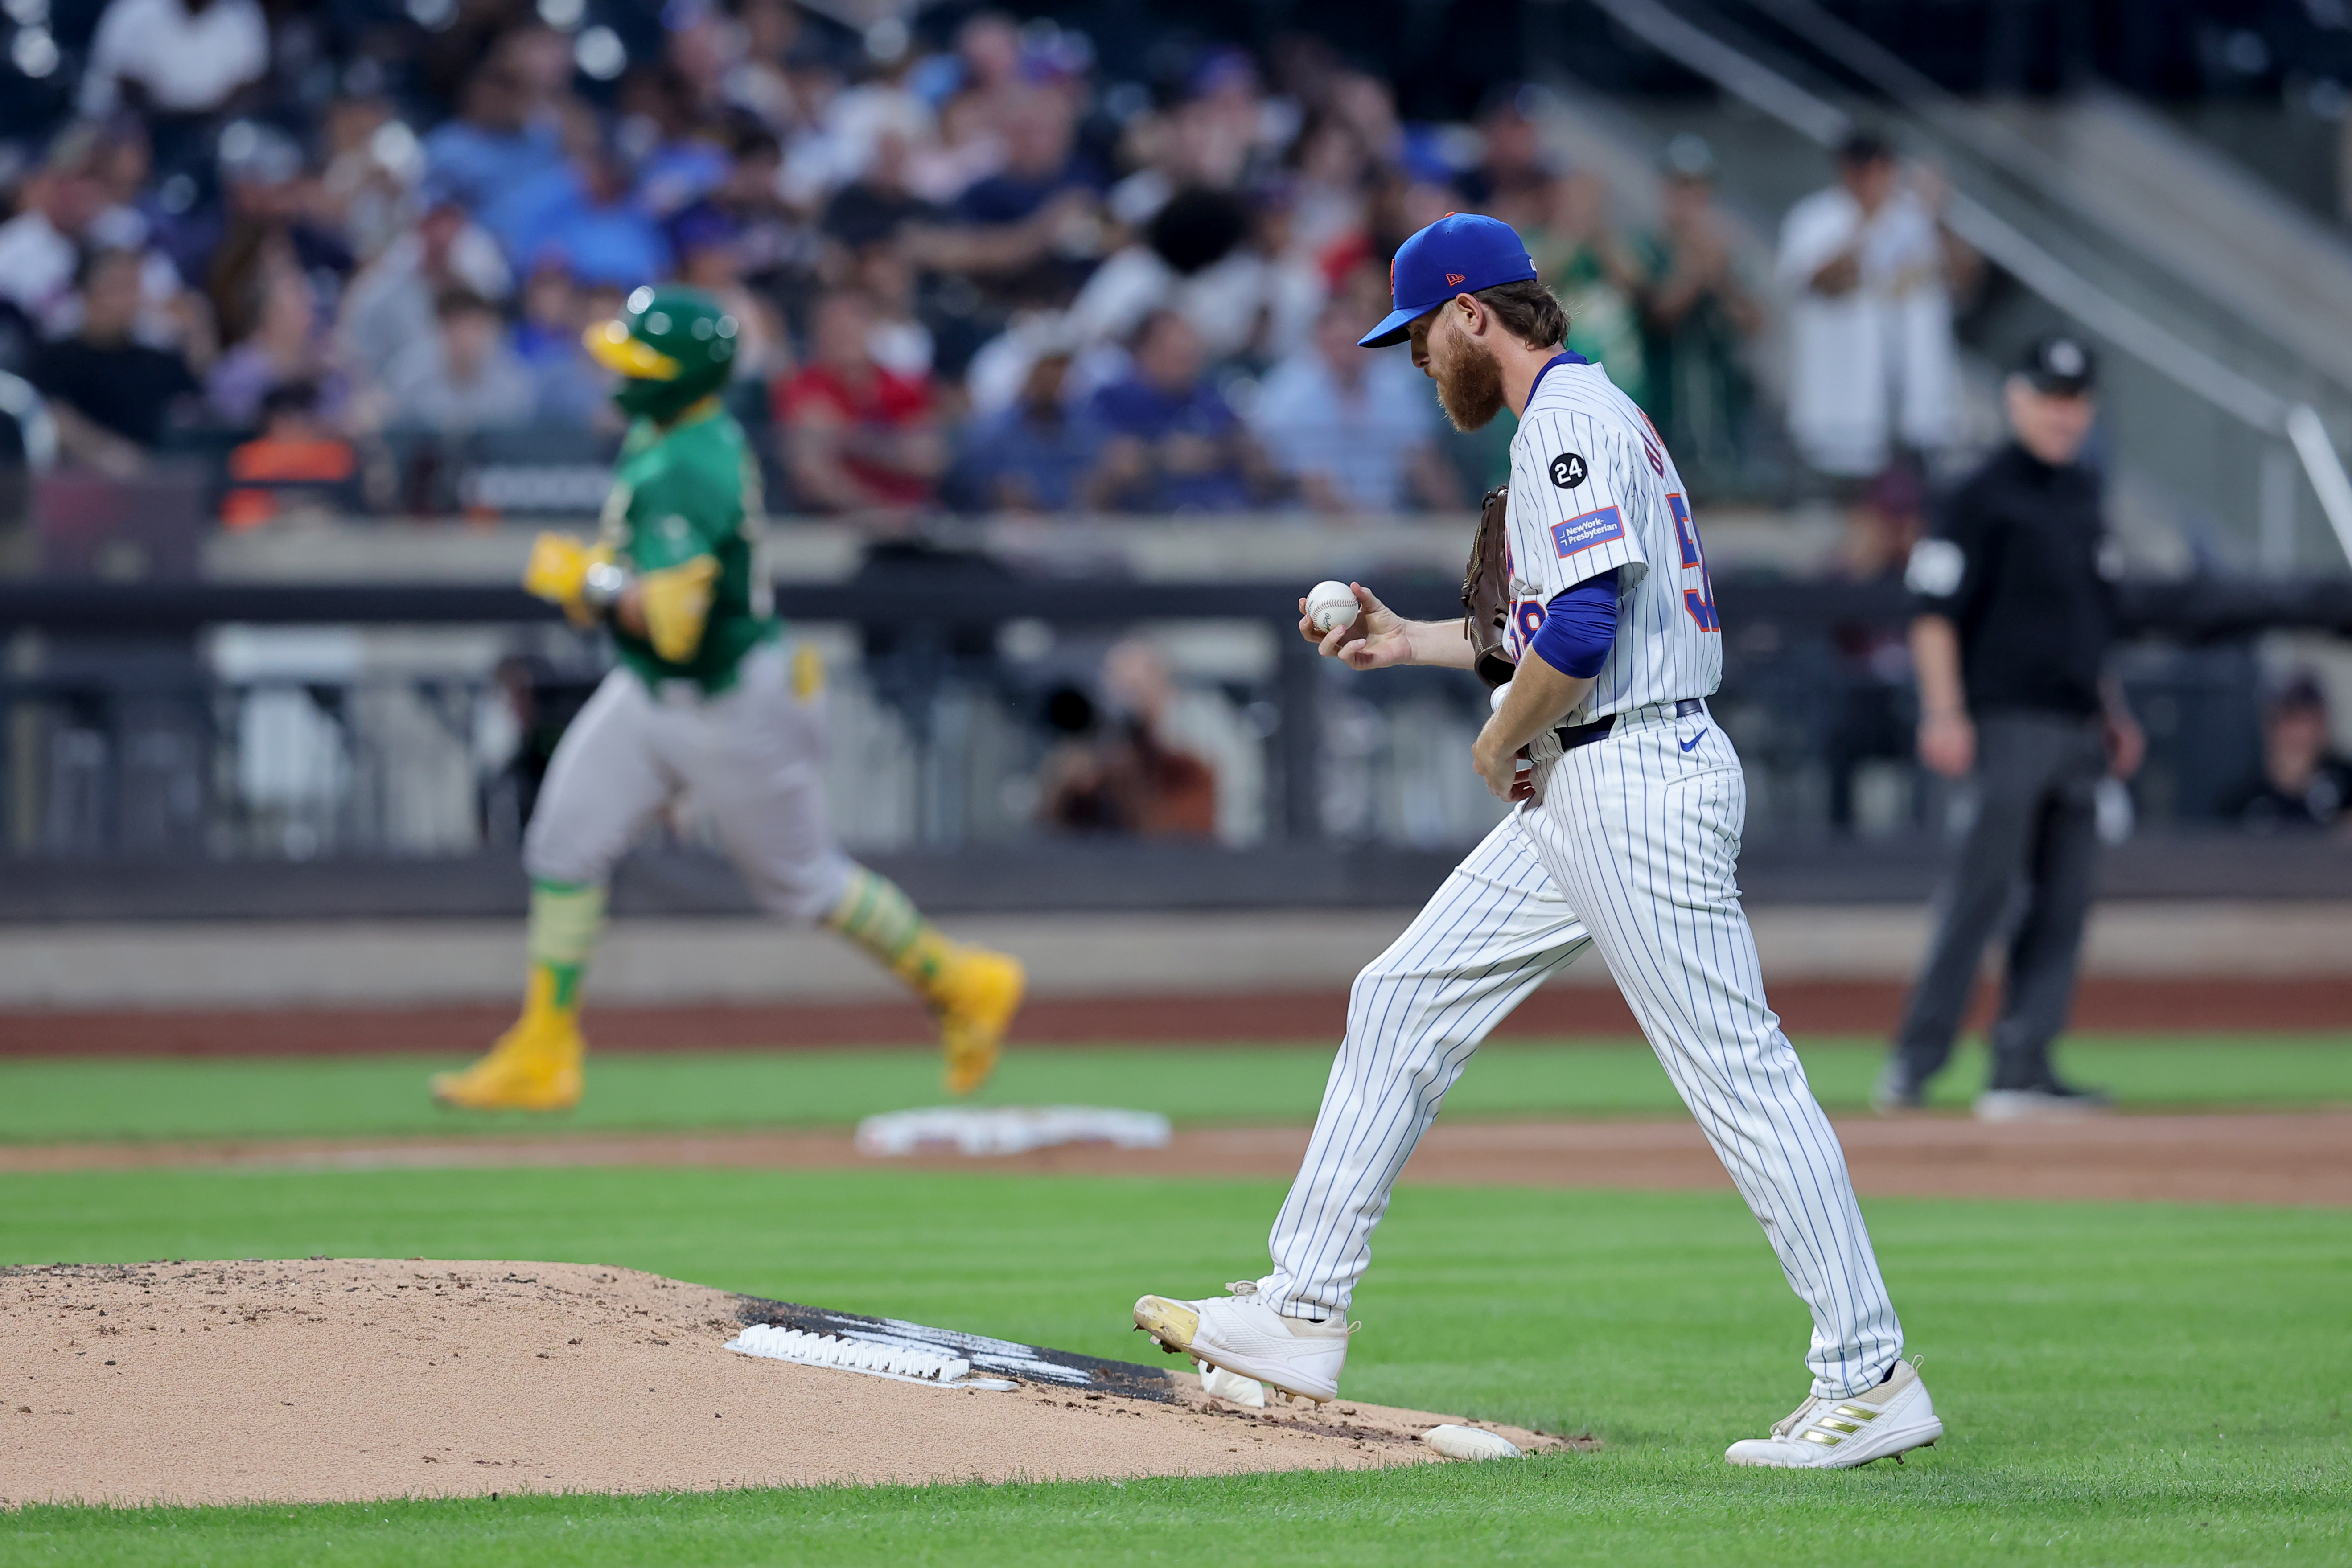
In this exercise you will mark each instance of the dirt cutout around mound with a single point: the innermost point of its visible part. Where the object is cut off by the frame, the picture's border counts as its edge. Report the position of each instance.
(330, 1380)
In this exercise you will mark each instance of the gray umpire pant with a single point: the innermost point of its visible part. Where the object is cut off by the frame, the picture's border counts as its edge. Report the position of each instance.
(2036, 786)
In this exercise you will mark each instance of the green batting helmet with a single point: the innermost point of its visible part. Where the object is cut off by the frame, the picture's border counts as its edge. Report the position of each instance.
(672, 346)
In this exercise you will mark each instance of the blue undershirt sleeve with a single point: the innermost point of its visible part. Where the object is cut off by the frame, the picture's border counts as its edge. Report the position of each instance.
(1578, 627)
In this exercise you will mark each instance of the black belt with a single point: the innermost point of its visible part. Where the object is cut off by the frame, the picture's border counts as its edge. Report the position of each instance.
(1572, 736)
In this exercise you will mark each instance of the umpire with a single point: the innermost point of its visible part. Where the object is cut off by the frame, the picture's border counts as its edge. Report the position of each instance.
(2014, 613)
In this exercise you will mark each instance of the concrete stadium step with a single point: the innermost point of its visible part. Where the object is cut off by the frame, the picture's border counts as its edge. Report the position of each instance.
(2209, 222)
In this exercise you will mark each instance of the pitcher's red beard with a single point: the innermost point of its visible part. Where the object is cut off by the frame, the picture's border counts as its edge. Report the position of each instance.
(1469, 378)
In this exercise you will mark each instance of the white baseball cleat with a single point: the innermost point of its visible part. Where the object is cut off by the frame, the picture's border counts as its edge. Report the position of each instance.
(1244, 1335)
(1837, 1434)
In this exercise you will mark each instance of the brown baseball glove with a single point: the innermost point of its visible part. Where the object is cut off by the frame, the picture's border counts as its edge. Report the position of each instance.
(1487, 591)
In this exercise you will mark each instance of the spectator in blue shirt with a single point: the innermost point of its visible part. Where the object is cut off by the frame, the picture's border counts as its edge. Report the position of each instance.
(573, 389)
(1355, 428)
(1023, 232)
(1035, 456)
(1040, 162)
(1175, 444)
(465, 377)
(491, 147)
(684, 160)
(584, 218)
(519, 216)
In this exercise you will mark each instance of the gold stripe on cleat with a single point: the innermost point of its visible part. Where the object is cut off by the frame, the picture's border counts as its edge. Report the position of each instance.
(1173, 1324)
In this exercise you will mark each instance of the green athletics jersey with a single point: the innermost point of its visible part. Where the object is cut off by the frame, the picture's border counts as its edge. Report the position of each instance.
(692, 490)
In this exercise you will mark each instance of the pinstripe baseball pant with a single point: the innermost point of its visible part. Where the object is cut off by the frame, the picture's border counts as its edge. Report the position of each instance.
(1633, 852)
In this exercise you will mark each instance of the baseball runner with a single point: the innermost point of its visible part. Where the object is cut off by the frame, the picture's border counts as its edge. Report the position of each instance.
(707, 702)
(1590, 593)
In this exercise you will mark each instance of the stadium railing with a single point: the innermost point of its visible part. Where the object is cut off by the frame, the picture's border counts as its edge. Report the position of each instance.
(2231, 413)
(353, 748)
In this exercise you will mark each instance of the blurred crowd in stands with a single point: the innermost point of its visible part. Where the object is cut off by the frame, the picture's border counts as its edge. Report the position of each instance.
(975, 272)
(339, 259)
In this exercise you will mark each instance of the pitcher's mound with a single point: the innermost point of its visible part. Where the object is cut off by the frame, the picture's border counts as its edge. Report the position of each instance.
(339, 1380)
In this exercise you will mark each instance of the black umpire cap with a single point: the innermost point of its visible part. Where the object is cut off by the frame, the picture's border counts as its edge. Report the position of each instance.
(2059, 363)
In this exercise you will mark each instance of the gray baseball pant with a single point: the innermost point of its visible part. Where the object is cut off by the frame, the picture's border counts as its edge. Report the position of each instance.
(753, 756)
(2036, 785)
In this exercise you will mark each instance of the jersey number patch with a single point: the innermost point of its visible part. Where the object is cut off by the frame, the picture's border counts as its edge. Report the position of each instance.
(1699, 600)
(1528, 620)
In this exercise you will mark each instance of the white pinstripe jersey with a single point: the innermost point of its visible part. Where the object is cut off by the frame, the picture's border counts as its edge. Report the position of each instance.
(1592, 488)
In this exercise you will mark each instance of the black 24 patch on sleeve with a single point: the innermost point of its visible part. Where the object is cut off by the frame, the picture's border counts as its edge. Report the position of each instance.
(1567, 470)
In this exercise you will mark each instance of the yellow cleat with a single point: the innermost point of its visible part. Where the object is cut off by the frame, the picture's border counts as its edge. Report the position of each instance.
(1173, 1323)
(976, 997)
(534, 1066)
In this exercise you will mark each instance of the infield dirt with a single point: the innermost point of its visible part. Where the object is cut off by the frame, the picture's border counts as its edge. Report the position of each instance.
(2129, 1004)
(327, 1380)
(2294, 1158)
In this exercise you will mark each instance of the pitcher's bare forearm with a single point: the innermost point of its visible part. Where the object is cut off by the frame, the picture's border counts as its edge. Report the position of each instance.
(1539, 697)
(1440, 643)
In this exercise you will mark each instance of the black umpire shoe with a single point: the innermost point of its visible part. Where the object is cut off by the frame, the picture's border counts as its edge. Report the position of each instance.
(1898, 1090)
(2052, 1099)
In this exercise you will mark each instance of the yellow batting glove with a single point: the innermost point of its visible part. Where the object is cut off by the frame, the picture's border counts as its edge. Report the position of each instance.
(558, 572)
(677, 603)
(558, 568)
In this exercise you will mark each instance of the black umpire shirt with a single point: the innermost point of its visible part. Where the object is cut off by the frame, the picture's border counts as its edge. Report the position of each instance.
(2018, 563)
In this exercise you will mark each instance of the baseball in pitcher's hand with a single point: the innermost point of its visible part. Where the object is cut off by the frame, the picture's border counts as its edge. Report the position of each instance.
(1376, 639)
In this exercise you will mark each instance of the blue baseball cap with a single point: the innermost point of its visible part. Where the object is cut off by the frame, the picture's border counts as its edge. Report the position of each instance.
(1461, 253)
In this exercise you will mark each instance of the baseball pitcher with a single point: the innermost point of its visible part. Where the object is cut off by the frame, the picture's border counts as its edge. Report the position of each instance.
(1590, 599)
(707, 701)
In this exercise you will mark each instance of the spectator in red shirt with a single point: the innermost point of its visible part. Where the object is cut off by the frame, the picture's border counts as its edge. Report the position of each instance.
(858, 438)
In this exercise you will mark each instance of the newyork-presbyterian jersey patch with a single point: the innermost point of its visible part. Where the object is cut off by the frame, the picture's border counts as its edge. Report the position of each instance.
(1580, 534)
(1569, 470)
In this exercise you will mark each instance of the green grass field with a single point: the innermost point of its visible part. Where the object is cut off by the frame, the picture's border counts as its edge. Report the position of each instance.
(45, 1101)
(2124, 1383)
